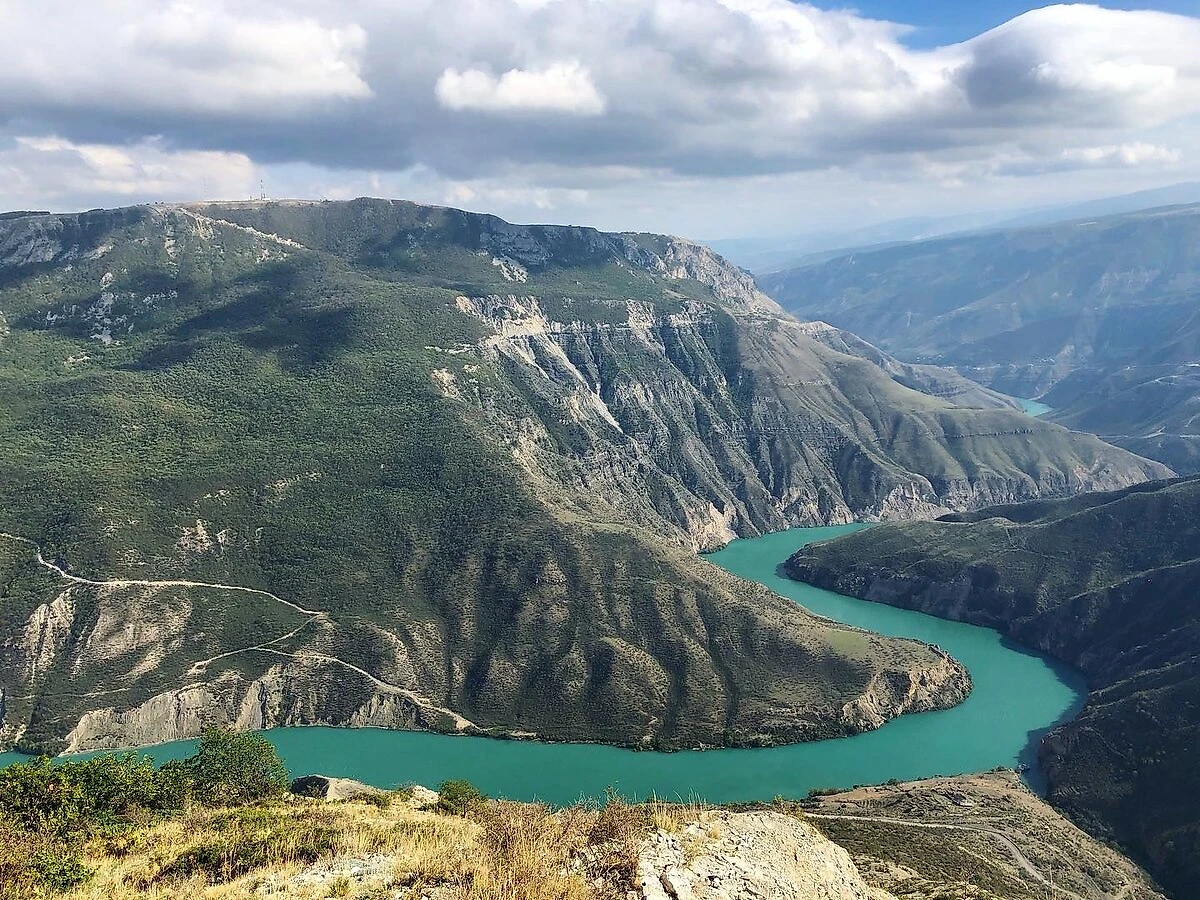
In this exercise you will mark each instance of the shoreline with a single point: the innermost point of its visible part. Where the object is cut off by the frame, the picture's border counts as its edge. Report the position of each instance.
(535, 766)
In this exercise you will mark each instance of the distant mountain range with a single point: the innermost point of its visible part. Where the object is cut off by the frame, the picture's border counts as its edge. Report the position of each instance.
(1109, 583)
(1098, 318)
(767, 255)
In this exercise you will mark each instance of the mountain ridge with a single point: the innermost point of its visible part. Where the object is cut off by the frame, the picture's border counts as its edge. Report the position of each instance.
(1094, 317)
(1105, 582)
(486, 452)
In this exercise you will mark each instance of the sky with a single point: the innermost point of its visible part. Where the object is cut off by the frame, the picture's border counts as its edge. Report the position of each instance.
(708, 118)
(937, 22)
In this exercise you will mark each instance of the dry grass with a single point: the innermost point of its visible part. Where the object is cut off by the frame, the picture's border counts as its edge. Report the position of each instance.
(303, 849)
(525, 853)
(675, 819)
(232, 854)
(671, 817)
(617, 831)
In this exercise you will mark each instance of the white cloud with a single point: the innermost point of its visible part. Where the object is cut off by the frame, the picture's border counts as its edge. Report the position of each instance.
(48, 171)
(562, 87)
(125, 57)
(1086, 65)
(1134, 154)
(550, 96)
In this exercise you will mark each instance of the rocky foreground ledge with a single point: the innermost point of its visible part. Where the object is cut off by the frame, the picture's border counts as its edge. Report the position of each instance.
(980, 837)
(971, 837)
(724, 855)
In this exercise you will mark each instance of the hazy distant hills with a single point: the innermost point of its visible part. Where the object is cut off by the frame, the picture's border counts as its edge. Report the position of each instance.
(1171, 195)
(767, 255)
(1111, 584)
(1099, 318)
(463, 467)
(771, 254)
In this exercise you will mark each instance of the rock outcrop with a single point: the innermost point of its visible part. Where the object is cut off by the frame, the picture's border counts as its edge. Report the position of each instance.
(946, 683)
(740, 856)
(324, 787)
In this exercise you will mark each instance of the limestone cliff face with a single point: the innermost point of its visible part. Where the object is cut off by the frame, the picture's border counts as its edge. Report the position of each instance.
(938, 687)
(719, 424)
(732, 287)
(45, 634)
(726, 855)
(289, 694)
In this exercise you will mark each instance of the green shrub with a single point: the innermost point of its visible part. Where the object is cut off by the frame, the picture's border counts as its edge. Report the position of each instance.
(231, 768)
(115, 787)
(824, 792)
(176, 784)
(58, 869)
(40, 796)
(383, 801)
(82, 796)
(458, 797)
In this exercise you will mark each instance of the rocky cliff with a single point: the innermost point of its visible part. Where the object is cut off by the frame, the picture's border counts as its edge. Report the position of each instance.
(728, 425)
(373, 462)
(1094, 317)
(1105, 582)
(750, 854)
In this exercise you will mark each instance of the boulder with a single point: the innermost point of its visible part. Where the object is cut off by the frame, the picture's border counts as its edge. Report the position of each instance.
(325, 788)
(749, 856)
(422, 797)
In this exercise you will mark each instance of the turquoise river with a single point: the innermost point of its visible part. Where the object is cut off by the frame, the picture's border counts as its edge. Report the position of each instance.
(1033, 407)
(1018, 696)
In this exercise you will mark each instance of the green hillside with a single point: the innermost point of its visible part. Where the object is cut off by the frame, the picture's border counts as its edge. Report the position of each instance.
(1097, 318)
(1107, 582)
(372, 463)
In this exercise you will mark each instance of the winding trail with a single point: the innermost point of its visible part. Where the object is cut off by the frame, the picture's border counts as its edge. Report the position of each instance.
(169, 582)
(1020, 858)
(197, 668)
(460, 723)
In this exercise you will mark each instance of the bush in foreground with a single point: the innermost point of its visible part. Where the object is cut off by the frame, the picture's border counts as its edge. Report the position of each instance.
(459, 797)
(49, 809)
(231, 768)
(78, 796)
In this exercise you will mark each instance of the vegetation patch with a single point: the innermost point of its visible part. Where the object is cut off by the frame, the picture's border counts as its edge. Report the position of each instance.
(254, 838)
(53, 813)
